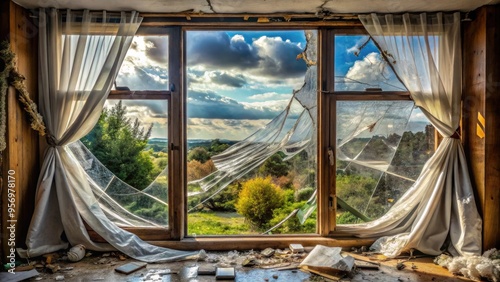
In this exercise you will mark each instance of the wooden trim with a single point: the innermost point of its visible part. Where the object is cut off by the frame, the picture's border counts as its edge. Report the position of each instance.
(303, 24)
(251, 15)
(177, 137)
(139, 95)
(239, 243)
(368, 95)
(326, 218)
(22, 151)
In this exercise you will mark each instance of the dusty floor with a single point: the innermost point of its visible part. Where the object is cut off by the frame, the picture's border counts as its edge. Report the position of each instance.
(101, 267)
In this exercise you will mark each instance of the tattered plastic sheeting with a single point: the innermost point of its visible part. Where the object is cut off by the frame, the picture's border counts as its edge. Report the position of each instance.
(278, 135)
(114, 195)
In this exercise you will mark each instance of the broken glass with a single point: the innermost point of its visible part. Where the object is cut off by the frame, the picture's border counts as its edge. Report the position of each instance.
(360, 66)
(381, 148)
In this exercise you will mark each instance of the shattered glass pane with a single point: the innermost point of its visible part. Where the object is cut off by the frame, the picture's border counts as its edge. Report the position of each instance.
(381, 149)
(360, 66)
(135, 194)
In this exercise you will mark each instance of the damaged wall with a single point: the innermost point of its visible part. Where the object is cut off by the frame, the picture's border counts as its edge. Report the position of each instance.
(481, 99)
(22, 152)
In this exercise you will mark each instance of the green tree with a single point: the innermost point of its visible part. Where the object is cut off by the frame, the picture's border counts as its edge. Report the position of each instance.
(258, 199)
(199, 154)
(119, 144)
(216, 146)
(275, 166)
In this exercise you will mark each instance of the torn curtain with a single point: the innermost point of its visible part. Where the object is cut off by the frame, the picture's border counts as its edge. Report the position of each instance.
(80, 55)
(439, 211)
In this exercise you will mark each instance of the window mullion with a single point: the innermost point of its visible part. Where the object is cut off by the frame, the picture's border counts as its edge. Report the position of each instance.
(176, 137)
(326, 138)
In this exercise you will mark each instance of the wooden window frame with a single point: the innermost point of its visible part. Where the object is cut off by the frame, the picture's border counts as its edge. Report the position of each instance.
(329, 97)
(168, 232)
(175, 235)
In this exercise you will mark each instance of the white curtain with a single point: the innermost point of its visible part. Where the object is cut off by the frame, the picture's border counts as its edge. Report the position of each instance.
(80, 55)
(439, 211)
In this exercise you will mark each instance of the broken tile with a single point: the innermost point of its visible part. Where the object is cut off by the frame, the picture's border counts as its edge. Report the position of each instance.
(249, 262)
(268, 252)
(296, 248)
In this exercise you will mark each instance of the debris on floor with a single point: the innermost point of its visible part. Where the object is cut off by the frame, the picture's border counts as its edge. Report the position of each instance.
(486, 266)
(76, 253)
(270, 264)
(327, 262)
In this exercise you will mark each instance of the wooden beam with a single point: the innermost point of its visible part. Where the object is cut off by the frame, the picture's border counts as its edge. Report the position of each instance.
(177, 137)
(481, 99)
(220, 243)
(252, 15)
(242, 24)
(21, 157)
(139, 95)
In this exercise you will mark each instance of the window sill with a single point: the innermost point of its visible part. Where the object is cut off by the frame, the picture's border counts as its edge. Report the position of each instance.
(220, 243)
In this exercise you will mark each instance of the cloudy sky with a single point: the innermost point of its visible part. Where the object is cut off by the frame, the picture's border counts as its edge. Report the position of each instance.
(239, 80)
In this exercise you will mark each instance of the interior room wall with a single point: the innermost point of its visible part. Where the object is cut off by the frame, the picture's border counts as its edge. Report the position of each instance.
(481, 98)
(22, 152)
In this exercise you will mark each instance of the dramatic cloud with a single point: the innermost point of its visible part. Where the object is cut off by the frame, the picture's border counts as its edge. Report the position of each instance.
(210, 105)
(157, 49)
(146, 65)
(371, 71)
(217, 50)
(270, 57)
(223, 78)
(279, 58)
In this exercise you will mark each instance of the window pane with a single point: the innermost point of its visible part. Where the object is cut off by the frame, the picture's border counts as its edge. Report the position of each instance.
(359, 66)
(382, 147)
(251, 112)
(126, 160)
(145, 66)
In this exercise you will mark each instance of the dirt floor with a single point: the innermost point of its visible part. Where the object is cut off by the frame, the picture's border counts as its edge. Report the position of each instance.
(278, 267)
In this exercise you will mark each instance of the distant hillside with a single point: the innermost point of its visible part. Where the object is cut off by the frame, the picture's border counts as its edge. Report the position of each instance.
(161, 144)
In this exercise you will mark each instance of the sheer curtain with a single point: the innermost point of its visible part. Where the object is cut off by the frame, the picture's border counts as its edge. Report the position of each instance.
(80, 55)
(439, 211)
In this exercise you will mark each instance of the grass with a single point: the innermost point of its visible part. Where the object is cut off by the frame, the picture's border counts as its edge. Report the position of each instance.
(217, 223)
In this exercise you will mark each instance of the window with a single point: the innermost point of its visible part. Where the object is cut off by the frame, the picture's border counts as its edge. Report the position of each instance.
(126, 155)
(223, 110)
(251, 127)
(381, 139)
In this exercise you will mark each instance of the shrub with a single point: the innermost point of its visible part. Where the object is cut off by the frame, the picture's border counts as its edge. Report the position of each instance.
(258, 199)
(225, 200)
(304, 194)
(347, 218)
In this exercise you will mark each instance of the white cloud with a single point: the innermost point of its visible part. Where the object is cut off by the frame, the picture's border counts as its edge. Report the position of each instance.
(366, 73)
(270, 96)
(232, 129)
(274, 105)
(145, 66)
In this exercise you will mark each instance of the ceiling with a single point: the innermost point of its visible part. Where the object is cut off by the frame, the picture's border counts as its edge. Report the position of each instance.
(263, 6)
